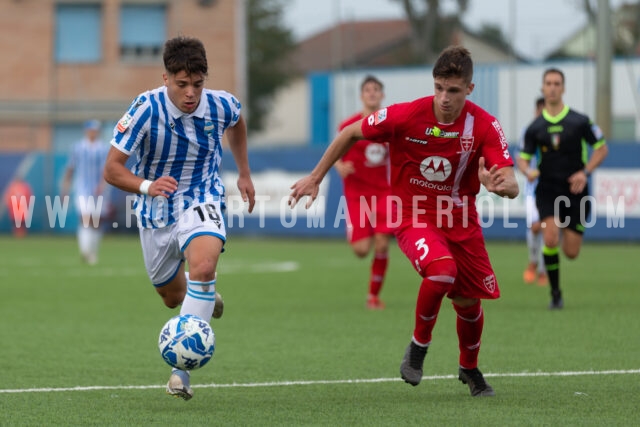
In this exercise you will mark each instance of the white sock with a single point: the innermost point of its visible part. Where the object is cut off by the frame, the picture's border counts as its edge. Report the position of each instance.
(534, 244)
(541, 267)
(200, 298)
(96, 237)
(84, 240)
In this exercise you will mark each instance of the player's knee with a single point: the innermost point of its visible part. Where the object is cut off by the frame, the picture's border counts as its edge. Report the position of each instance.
(381, 243)
(360, 252)
(361, 248)
(571, 253)
(203, 270)
(442, 273)
(171, 299)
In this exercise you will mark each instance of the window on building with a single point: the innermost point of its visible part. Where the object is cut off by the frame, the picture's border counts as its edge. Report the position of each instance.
(142, 31)
(78, 33)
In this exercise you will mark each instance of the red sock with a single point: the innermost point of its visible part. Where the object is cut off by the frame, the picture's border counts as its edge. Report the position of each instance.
(378, 271)
(429, 301)
(469, 325)
(438, 279)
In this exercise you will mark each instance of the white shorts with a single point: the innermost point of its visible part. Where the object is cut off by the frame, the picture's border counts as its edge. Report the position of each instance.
(163, 248)
(533, 215)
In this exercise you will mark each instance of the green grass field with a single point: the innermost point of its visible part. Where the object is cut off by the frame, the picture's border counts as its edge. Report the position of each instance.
(296, 345)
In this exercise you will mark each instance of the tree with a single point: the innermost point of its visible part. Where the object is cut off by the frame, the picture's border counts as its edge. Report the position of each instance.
(493, 34)
(269, 46)
(431, 28)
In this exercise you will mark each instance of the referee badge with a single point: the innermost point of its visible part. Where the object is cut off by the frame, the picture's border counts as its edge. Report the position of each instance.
(555, 140)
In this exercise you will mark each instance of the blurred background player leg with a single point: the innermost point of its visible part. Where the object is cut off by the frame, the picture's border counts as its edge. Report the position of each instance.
(17, 199)
(362, 240)
(83, 177)
(364, 170)
(535, 271)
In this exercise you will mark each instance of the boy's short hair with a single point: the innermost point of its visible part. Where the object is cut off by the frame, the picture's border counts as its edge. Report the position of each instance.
(370, 79)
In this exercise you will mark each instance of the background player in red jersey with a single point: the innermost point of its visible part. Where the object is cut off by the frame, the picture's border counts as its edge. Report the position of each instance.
(365, 176)
(442, 147)
(18, 194)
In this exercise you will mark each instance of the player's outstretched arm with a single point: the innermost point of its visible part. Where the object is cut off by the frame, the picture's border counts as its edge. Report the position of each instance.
(499, 181)
(117, 174)
(310, 184)
(237, 137)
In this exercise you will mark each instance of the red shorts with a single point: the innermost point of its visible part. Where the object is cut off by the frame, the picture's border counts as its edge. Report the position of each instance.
(369, 215)
(475, 279)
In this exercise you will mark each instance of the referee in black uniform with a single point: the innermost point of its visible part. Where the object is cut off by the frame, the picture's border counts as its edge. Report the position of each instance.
(560, 137)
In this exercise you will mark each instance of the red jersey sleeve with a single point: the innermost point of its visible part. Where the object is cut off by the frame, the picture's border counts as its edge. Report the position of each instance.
(495, 148)
(379, 125)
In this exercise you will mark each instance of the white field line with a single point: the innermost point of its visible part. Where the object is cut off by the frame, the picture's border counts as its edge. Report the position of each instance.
(322, 382)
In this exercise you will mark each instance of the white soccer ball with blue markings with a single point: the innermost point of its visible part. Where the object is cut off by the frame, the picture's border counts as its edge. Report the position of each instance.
(186, 342)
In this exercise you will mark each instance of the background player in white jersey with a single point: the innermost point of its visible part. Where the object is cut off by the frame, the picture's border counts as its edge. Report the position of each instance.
(535, 270)
(84, 176)
(176, 133)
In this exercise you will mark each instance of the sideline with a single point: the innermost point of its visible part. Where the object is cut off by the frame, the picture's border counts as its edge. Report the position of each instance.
(322, 382)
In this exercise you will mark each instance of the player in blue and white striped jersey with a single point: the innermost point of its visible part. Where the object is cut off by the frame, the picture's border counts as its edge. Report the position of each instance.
(83, 175)
(175, 133)
(535, 270)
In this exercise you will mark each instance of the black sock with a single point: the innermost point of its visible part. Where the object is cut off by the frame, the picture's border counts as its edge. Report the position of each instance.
(552, 263)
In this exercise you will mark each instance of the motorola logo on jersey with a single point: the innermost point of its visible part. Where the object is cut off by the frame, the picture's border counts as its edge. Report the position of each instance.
(435, 168)
(375, 154)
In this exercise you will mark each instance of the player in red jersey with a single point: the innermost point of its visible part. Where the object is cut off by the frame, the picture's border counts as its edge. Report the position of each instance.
(442, 147)
(365, 176)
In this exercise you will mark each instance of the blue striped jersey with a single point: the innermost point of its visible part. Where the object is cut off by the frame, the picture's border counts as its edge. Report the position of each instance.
(87, 160)
(168, 142)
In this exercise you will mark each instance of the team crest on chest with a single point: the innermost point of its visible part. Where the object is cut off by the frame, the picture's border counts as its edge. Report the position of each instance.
(466, 143)
(208, 127)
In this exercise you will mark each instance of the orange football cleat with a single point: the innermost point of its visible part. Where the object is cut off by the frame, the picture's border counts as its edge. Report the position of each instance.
(529, 275)
(374, 303)
(543, 280)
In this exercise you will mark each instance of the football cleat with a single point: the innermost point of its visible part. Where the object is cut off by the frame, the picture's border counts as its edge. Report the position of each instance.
(543, 280)
(556, 300)
(218, 309)
(179, 385)
(374, 303)
(529, 275)
(475, 380)
(411, 366)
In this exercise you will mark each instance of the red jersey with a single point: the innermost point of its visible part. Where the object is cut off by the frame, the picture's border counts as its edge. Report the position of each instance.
(17, 189)
(371, 163)
(434, 166)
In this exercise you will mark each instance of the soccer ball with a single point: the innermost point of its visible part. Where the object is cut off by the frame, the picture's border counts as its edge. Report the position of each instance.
(186, 342)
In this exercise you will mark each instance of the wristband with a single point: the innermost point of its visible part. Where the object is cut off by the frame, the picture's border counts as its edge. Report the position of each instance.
(586, 172)
(144, 186)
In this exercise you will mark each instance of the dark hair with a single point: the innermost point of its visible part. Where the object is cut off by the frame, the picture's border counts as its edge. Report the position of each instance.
(553, 70)
(371, 79)
(454, 61)
(185, 54)
(540, 102)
